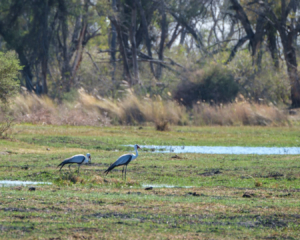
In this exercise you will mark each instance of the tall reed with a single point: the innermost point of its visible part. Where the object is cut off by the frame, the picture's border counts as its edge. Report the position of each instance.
(98, 111)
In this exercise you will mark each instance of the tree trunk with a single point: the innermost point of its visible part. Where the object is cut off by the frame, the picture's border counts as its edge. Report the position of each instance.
(135, 80)
(80, 45)
(26, 69)
(122, 49)
(45, 48)
(78, 56)
(141, 31)
(164, 30)
(146, 34)
(287, 36)
(291, 62)
(258, 40)
(66, 68)
(182, 36)
(271, 39)
(113, 45)
(76, 45)
(174, 36)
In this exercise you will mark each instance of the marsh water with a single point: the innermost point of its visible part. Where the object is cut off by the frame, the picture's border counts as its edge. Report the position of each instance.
(223, 150)
(5, 183)
(188, 149)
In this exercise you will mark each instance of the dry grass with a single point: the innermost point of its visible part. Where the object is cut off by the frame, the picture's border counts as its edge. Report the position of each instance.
(258, 183)
(76, 179)
(34, 109)
(240, 113)
(71, 177)
(162, 126)
(132, 110)
(98, 111)
(97, 180)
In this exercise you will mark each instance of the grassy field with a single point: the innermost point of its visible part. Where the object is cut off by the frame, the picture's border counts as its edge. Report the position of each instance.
(229, 196)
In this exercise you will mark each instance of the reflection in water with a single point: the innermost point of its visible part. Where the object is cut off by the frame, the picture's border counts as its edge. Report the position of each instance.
(223, 150)
(5, 183)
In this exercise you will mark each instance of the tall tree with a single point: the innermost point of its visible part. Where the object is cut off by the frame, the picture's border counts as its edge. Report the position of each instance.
(40, 26)
(70, 51)
(113, 41)
(271, 18)
(288, 26)
(255, 38)
(133, 42)
(163, 35)
(144, 25)
(15, 38)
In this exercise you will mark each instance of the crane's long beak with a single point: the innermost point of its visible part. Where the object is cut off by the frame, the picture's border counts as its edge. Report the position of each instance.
(90, 160)
(137, 146)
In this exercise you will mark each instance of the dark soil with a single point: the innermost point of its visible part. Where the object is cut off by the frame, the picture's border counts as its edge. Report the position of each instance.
(250, 221)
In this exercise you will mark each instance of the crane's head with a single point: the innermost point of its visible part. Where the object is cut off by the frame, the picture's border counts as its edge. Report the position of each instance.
(136, 146)
(89, 157)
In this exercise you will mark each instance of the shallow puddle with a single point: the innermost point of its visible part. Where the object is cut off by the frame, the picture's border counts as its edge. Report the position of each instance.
(7, 183)
(223, 150)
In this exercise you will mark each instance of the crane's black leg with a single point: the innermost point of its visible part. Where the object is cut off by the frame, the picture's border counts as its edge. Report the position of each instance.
(78, 168)
(69, 167)
(125, 172)
(61, 168)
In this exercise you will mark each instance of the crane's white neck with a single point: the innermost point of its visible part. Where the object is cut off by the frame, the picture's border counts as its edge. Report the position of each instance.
(136, 153)
(87, 159)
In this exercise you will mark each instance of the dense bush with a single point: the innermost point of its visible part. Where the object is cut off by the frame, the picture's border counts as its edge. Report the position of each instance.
(9, 68)
(212, 84)
(266, 84)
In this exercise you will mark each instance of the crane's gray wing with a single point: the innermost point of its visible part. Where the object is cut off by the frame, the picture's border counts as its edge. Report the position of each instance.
(124, 159)
(75, 159)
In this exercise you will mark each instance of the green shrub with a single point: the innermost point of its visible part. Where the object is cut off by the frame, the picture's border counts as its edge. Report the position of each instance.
(70, 97)
(214, 83)
(9, 68)
(265, 85)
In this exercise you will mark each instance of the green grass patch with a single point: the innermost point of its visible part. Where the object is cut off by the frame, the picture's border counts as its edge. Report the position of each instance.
(230, 196)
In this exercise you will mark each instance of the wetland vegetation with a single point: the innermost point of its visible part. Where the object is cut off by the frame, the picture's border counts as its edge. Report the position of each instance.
(230, 196)
(99, 76)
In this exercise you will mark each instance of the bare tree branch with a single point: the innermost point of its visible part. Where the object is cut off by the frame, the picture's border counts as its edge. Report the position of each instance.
(95, 65)
(235, 48)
